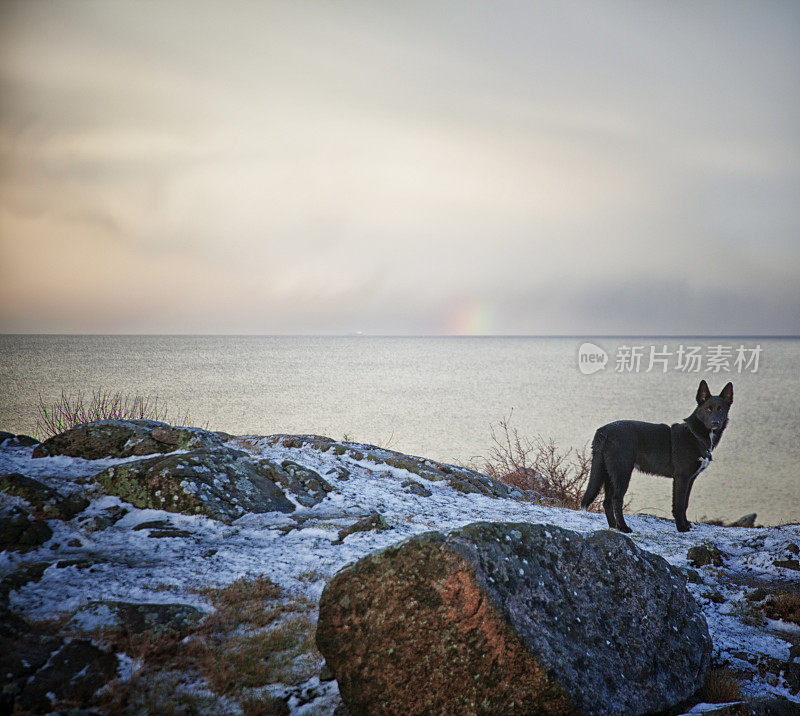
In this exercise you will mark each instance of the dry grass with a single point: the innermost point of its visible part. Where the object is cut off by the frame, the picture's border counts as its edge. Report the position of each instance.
(748, 613)
(146, 646)
(155, 692)
(784, 606)
(255, 602)
(312, 575)
(71, 410)
(264, 705)
(721, 686)
(284, 653)
(537, 464)
(257, 635)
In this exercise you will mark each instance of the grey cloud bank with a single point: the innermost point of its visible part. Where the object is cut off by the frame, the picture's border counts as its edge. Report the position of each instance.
(282, 168)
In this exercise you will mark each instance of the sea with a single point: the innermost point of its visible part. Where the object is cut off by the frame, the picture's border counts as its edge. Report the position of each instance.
(441, 397)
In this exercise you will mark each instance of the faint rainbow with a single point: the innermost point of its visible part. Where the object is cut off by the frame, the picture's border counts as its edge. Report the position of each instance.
(471, 318)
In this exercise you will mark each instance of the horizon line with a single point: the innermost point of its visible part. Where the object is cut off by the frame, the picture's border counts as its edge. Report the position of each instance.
(420, 335)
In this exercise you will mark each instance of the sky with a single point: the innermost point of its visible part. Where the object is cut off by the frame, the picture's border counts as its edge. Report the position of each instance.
(547, 168)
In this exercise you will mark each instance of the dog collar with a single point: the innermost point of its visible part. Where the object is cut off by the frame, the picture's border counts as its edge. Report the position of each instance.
(707, 454)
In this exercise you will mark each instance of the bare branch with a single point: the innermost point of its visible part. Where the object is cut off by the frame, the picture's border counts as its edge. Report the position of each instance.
(536, 464)
(71, 410)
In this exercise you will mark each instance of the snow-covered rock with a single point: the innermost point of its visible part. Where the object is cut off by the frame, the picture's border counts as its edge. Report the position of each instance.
(221, 483)
(98, 555)
(125, 438)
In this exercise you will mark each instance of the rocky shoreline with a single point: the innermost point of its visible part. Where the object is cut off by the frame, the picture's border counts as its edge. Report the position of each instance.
(140, 561)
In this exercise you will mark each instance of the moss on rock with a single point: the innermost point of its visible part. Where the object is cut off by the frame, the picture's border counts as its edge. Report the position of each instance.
(220, 483)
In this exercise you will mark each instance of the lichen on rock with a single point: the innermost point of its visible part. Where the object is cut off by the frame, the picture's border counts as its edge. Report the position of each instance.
(219, 483)
(308, 487)
(459, 478)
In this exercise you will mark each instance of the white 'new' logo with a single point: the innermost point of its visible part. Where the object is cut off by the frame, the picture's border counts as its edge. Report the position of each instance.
(591, 358)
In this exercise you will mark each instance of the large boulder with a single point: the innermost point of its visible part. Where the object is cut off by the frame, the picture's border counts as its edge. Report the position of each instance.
(222, 483)
(512, 618)
(125, 438)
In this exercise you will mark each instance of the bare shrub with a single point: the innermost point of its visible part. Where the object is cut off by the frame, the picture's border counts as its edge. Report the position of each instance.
(537, 464)
(71, 410)
(385, 444)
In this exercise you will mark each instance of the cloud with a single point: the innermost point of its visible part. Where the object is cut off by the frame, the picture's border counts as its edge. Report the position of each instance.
(289, 168)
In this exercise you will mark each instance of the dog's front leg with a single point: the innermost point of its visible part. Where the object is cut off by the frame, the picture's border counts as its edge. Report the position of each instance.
(681, 486)
(689, 486)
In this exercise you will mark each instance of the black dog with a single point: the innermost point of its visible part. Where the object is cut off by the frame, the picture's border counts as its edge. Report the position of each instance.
(680, 451)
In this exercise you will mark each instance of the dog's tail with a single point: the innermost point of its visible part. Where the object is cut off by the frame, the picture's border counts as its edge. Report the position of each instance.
(598, 474)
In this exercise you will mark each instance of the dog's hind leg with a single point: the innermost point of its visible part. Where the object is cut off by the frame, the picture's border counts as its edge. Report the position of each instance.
(621, 524)
(615, 487)
(619, 467)
(608, 506)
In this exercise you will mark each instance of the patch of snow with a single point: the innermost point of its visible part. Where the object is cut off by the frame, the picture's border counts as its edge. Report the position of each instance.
(702, 708)
(782, 626)
(126, 666)
(98, 617)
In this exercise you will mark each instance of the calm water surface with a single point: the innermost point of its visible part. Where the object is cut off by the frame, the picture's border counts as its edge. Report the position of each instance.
(438, 397)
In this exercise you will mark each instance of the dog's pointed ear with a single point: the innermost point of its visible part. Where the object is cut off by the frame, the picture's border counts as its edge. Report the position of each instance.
(703, 393)
(727, 393)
